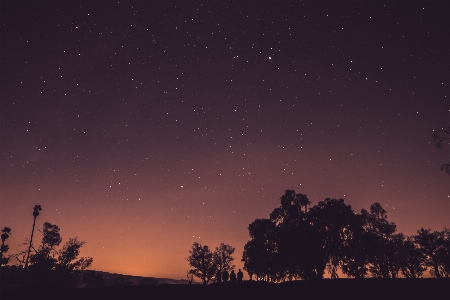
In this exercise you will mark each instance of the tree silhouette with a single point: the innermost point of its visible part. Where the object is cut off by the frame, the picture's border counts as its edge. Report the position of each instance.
(223, 259)
(298, 253)
(300, 243)
(202, 262)
(67, 257)
(333, 220)
(44, 258)
(51, 267)
(439, 138)
(436, 248)
(51, 237)
(297, 242)
(356, 260)
(412, 259)
(291, 207)
(4, 248)
(260, 253)
(36, 210)
(382, 241)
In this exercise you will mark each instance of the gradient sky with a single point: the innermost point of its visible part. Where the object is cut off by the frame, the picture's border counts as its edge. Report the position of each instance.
(142, 127)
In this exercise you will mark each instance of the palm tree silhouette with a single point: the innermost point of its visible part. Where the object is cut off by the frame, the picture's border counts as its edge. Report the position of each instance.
(36, 210)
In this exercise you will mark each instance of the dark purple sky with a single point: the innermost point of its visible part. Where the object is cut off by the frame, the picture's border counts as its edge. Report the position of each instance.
(141, 127)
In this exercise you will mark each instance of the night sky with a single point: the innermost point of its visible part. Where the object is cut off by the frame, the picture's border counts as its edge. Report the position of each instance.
(142, 127)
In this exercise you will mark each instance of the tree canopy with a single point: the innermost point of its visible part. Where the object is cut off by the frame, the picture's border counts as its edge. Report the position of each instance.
(304, 243)
(205, 264)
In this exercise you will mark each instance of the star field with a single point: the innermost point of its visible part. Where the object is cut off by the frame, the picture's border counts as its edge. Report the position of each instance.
(143, 127)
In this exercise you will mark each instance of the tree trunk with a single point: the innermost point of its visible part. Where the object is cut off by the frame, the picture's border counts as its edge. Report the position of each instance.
(29, 247)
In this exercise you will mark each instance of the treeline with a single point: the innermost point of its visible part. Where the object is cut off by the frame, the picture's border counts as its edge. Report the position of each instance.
(302, 242)
(44, 264)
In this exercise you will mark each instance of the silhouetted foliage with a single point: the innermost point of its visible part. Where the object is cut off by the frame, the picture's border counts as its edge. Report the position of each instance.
(300, 243)
(202, 262)
(46, 265)
(44, 259)
(439, 138)
(6, 232)
(297, 242)
(52, 267)
(223, 258)
(260, 253)
(67, 257)
(412, 259)
(436, 248)
(333, 220)
(383, 252)
(51, 237)
(206, 264)
(356, 260)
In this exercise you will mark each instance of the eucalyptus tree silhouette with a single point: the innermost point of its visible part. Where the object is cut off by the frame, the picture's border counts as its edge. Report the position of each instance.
(260, 253)
(333, 221)
(36, 210)
(297, 242)
(4, 248)
(383, 243)
(300, 243)
(355, 263)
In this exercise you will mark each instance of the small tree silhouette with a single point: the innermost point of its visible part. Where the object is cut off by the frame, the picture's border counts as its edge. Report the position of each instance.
(189, 276)
(223, 258)
(202, 262)
(4, 248)
(36, 210)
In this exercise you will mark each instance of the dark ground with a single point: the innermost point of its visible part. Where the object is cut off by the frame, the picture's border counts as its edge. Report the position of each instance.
(321, 289)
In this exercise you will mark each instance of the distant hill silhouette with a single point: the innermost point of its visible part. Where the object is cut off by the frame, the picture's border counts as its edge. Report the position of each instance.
(134, 280)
